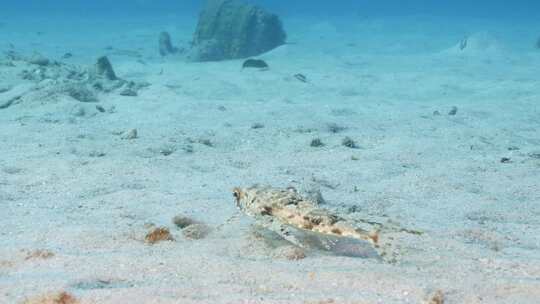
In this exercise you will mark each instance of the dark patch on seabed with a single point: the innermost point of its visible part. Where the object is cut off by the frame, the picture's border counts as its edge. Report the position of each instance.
(101, 284)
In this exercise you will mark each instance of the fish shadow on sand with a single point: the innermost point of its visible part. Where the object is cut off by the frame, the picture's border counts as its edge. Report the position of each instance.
(317, 243)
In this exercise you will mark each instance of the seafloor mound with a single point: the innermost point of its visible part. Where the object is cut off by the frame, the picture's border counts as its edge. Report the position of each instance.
(37, 74)
(230, 29)
(480, 43)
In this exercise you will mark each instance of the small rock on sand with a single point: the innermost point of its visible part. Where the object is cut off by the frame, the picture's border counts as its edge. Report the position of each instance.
(255, 63)
(196, 231)
(81, 93)
(128, 92)
(506, 160)
(349, 143)
(316, 143)
(257, 125)
(39, 59)
(182, 221)
(535, 155)
(129, 135)
(335, 128)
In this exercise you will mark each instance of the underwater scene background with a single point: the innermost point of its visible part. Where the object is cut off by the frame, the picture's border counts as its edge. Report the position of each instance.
(231, 151)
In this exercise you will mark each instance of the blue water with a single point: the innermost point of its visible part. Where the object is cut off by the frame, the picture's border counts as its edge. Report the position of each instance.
(497, 9)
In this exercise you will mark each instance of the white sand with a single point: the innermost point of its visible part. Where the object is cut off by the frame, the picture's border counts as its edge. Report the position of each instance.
(382, 79)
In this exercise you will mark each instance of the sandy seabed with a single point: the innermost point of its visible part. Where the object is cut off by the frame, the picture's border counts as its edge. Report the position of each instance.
(77, 198)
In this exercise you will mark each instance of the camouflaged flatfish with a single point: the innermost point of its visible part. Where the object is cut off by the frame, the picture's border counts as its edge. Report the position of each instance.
(303, 223)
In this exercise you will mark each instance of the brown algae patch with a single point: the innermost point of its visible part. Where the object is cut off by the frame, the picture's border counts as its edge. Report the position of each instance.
(41, 254)
(62, 297)
(157, 235)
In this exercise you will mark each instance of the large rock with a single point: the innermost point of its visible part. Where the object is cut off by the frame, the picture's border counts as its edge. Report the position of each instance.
(231, 29)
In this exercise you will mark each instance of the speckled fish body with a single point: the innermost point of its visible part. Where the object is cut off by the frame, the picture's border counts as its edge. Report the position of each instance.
(303, 223)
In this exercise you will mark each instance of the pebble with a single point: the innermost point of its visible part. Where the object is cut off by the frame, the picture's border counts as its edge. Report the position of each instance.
(535, 155)
(166, 149)
(257, 125)
(453, 111)
(81, 93)
(196, 231)
(316, 143)
(39, 59)
(188, 148)
(255, 63)
(335, 128)
(506, 160)
(128, 92)
(205, 141)
(131, 134)
(97, 154)
(182, 221)
(349, 143)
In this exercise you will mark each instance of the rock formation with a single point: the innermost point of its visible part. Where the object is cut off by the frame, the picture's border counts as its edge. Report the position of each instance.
(165, 45)
(231, 29)
(104, 68)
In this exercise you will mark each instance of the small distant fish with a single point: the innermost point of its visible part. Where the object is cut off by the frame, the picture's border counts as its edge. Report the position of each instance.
(463, 43)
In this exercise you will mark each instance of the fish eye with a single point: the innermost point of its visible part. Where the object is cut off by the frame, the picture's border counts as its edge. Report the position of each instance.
(236, 194)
